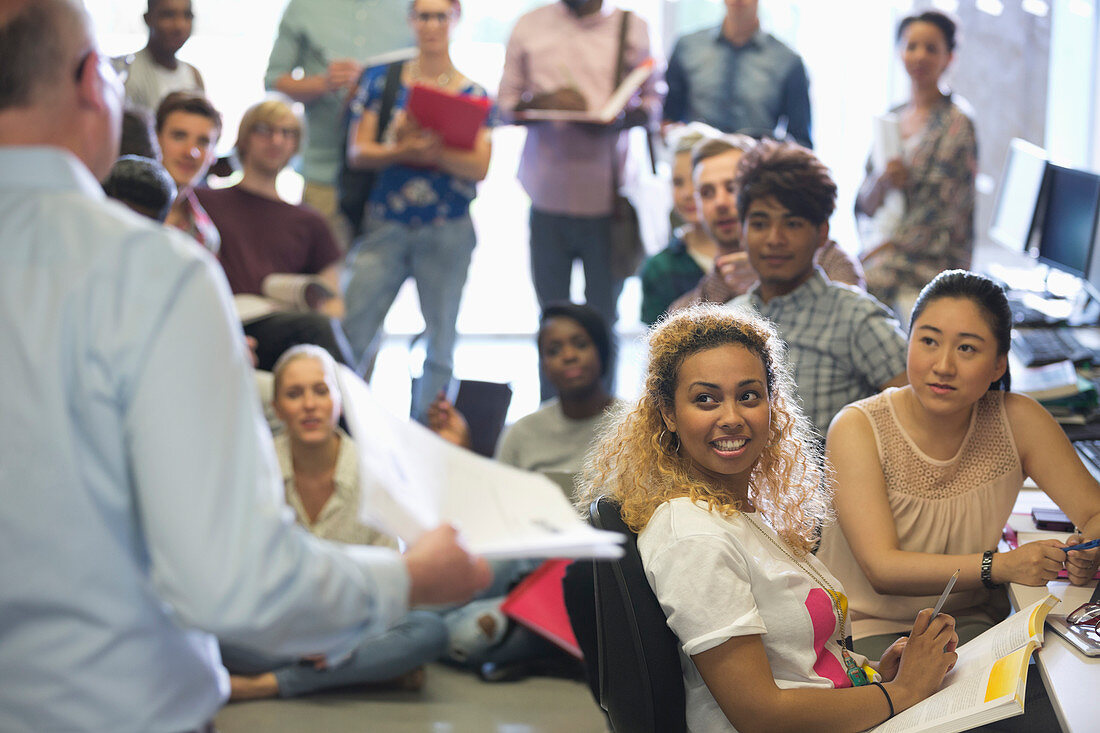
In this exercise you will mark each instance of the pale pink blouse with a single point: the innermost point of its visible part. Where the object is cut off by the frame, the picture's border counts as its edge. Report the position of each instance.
(957, 506)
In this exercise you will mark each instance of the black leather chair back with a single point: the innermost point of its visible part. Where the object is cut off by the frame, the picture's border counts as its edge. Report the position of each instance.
(638, 662)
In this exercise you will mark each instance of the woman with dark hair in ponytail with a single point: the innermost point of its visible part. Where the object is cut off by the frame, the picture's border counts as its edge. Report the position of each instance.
(927, 475)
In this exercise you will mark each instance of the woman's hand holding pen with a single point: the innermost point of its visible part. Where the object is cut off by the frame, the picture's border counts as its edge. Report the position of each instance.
(926, 657)
(1034, 563)
(1081, 564)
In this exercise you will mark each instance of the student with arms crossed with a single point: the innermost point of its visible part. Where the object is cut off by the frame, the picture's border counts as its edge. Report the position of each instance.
(927, 474)
(718, 471)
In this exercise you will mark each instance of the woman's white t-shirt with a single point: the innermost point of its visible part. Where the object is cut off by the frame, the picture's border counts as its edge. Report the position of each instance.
(716, 578)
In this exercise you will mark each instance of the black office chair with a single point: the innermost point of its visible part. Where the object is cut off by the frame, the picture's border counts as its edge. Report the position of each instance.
(637, 662)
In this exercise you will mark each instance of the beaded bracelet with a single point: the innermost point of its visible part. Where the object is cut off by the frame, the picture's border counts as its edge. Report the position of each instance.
(888, 700)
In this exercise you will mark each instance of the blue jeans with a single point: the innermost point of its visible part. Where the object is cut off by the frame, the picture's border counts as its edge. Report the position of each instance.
(437, 256)
(556, 241)
(419, 638)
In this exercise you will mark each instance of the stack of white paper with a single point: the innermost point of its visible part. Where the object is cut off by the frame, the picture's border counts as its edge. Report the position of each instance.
(887, 140)
(412, 481)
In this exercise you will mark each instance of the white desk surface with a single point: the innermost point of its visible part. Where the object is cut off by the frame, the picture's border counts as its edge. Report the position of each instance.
(1072, 679)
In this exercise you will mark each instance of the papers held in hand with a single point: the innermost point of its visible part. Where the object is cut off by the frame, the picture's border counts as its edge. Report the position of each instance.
(614, 106)
(412, 481)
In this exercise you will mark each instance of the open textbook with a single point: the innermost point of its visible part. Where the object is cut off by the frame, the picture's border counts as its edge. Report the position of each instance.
(283, 292)
(606, 114)
(987, 683)
(412, 481)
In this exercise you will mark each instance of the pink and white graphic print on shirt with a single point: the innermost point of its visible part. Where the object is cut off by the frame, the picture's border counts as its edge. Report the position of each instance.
(824, 620)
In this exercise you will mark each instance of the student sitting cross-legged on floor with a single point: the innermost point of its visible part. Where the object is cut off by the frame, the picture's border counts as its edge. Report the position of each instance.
(321, 476)
(717, 470)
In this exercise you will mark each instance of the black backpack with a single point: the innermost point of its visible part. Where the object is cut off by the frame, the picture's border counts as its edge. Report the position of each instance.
(353, 187)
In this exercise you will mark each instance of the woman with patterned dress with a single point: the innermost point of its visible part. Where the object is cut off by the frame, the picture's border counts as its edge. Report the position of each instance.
(935, 175)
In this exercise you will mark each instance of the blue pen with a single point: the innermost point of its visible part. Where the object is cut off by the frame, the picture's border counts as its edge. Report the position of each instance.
(1083, 546)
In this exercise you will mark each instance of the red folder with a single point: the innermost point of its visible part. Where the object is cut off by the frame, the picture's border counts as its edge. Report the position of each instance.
(539, 604)
(455, 117)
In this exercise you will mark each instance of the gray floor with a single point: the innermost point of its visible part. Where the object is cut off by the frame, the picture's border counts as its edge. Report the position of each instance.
(450, 702)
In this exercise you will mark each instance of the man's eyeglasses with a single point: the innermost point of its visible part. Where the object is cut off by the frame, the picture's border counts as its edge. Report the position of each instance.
(106, 68)
(425, 18)
(265, 130)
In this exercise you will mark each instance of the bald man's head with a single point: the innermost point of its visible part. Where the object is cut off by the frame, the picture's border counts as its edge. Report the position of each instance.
(56, 88)
(41, 42)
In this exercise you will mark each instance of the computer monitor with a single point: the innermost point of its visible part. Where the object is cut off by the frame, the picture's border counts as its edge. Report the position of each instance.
(1014, 208)
(1069, 202)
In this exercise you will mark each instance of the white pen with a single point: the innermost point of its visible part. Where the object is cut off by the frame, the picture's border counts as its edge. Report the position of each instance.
(946, 593)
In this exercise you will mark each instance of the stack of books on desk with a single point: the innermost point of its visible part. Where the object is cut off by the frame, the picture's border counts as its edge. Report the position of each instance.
(1070, 397)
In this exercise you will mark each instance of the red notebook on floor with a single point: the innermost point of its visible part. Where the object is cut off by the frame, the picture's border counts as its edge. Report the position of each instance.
(539, 604)
(455, 117)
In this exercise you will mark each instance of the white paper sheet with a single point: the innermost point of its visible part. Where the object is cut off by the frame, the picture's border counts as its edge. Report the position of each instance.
(412, 480)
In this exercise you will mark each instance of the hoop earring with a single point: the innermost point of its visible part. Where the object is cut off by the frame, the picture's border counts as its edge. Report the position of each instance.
(674, 437)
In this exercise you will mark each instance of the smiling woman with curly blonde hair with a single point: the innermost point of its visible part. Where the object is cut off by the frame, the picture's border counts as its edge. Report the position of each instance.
(721, 475)
(637, 459)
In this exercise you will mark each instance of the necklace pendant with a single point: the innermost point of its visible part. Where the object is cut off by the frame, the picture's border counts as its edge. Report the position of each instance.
(855, 673)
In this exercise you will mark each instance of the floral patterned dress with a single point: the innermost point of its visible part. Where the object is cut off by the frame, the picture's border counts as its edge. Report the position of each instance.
(936, 232)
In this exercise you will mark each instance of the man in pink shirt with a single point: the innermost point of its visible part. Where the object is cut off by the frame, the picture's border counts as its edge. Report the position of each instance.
(563, 56)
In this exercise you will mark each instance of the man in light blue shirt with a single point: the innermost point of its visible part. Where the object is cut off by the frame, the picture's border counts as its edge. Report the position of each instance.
(738, 78)
(141, 507)
(317, 59)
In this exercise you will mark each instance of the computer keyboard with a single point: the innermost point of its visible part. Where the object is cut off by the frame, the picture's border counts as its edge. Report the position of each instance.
(1035, 346)
(1025, 315)
(1089, 450)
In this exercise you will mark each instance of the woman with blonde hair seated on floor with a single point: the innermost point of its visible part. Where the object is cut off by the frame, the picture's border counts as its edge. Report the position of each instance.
(717, 470)
(321, 479)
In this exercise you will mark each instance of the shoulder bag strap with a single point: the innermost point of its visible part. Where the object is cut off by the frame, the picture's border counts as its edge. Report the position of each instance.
(620, 72)
(389, 97)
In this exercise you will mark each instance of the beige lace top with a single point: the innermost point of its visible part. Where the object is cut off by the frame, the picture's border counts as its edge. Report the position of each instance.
(952, 507)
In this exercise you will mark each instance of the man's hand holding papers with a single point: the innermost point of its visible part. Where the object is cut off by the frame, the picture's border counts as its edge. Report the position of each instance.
(413, 481)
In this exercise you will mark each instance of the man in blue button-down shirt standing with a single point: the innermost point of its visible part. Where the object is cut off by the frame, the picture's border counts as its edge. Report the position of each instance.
(739, 79)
